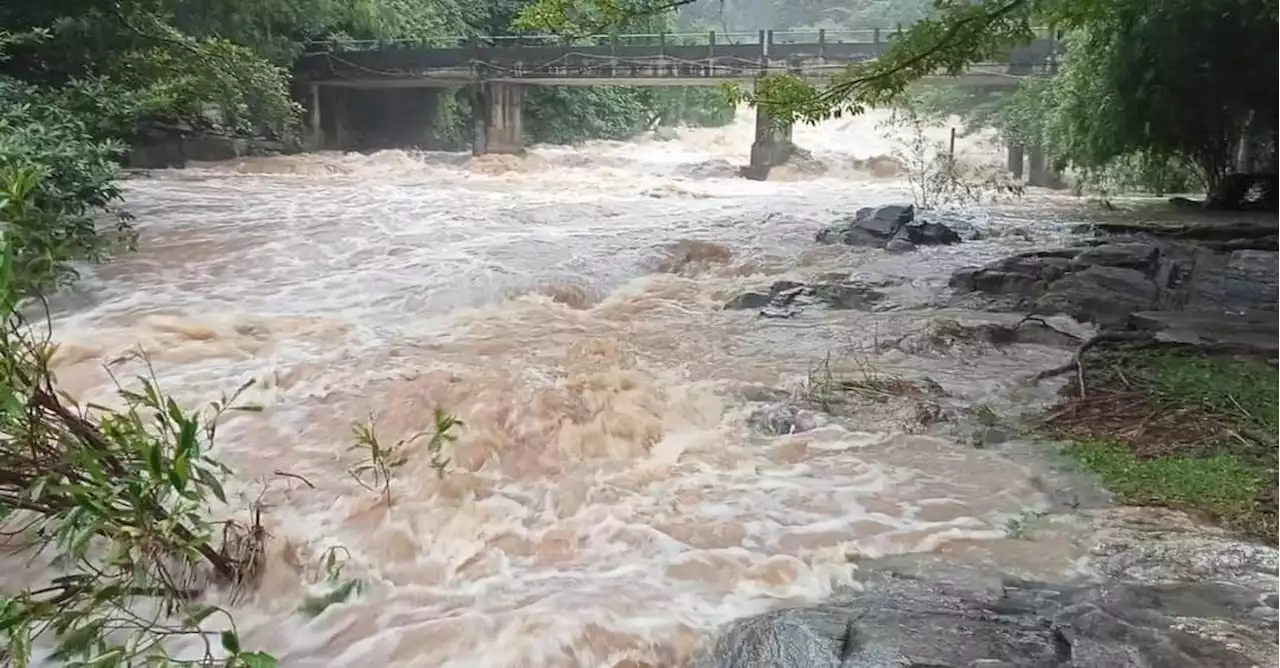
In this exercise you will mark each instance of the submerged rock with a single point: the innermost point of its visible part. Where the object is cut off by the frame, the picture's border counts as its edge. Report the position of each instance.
(665, 133)
(785, 298)
(905, 622)
(749, 300)
(781, 419)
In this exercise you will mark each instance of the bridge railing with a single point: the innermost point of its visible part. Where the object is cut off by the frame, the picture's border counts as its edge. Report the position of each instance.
(709, 38)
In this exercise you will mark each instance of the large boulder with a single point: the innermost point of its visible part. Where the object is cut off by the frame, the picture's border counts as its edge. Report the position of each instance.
(1250, 278)
(1021, 275)
(1103, 283)
(1100, 284)
(1099, 294)
(892, 226)
(901, 622)
(1139, 256)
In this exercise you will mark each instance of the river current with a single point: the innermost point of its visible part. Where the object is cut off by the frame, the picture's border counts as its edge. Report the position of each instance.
(608, 503)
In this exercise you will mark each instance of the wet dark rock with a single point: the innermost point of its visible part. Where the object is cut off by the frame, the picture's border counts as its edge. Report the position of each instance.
(1018, 274)
(749, 300)
(899, 246)
(1248, 332)
(1137, 256)
(882, 226)
(780, 420)
(786, 298)
(774, 420)
(906, 622)
(884, 221)
(1100, 294)
(1250, 277)
(1101, 283)
(843, 296)
(161, 146)
(779, 312)
(928, 233)
(1271, 600)
(849, 236)
(985, 437)
(947, 335)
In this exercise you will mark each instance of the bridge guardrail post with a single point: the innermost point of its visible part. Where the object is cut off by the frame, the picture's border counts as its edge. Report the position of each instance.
(711, 53)
(822, 43)
(875, 39)
(473, 51)
(613, 54)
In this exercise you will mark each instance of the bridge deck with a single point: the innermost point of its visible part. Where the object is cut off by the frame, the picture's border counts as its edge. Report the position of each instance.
(634, 60)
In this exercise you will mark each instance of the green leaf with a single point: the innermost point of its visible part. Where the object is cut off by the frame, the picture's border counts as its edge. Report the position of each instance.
(196, 614)
(230, 642)
(210, 481)
(79, 641)
(175, 412)
(155, 459)
(257, 660)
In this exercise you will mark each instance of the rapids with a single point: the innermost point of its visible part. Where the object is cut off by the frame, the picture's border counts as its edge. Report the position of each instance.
(608, 504)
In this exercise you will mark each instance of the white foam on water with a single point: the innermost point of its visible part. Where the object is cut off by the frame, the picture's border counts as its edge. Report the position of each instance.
(608, 503)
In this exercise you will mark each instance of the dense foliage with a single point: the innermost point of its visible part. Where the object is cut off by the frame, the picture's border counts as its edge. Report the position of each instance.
(753, 15)
(118, 498)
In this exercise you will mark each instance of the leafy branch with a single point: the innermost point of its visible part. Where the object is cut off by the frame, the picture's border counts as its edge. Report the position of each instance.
(121, 497)
(379, 463)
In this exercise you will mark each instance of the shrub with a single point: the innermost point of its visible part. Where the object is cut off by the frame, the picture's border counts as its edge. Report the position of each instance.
(122, 498)
(57, 189)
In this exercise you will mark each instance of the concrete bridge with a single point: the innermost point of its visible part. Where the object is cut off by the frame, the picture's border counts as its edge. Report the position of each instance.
(498, 69)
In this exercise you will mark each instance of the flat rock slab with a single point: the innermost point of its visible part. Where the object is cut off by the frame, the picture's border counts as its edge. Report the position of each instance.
(1249, 332)
(1104, 283)
(905, 623)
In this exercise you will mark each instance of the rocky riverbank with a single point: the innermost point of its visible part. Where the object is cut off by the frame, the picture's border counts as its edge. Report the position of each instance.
(1171, 401)
(174, 145)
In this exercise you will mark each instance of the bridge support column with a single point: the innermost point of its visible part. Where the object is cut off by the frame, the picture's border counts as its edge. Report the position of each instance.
(499, 125)
(1039, 172)
(1014, 161)
(772, 147)
(316, 124)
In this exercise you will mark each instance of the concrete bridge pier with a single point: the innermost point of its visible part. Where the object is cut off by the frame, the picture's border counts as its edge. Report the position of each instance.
(772, 147)
(1039, 172)
(1015, 160)
(499, 125)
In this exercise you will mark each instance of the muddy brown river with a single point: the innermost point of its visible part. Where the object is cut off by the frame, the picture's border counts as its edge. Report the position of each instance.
(608, 503)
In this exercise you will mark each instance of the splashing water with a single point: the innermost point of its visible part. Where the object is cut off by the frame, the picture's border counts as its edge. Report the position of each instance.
(608, 504)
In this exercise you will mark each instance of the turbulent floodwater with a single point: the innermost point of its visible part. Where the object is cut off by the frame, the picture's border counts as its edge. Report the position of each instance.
(608, 504)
